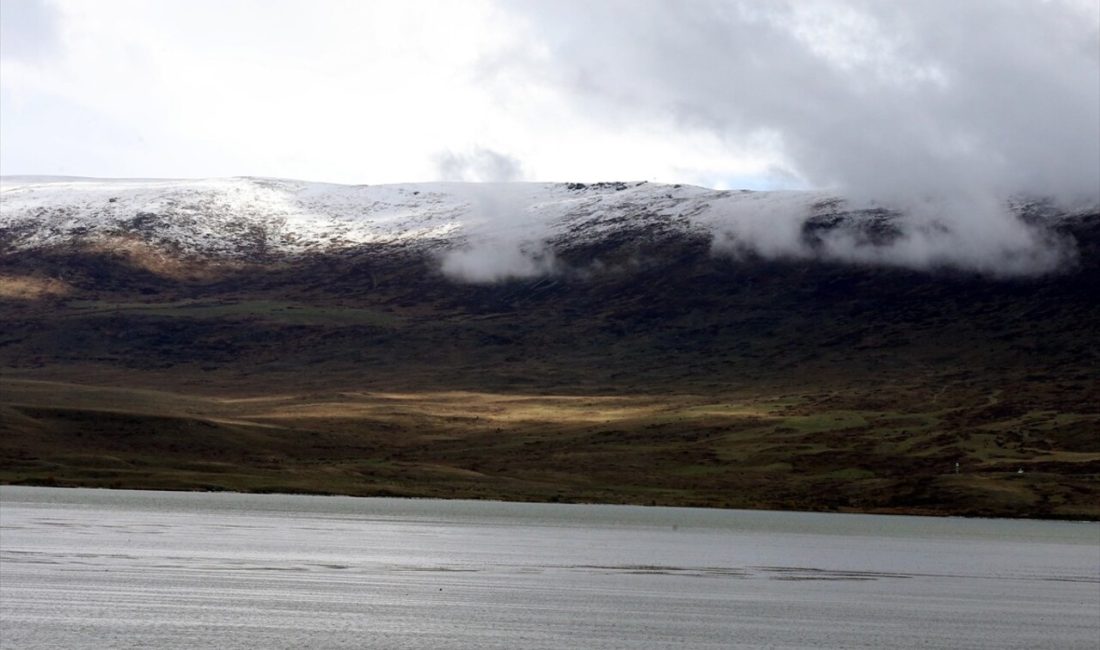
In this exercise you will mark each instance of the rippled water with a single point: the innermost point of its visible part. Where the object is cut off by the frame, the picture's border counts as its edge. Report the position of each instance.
(130, 569)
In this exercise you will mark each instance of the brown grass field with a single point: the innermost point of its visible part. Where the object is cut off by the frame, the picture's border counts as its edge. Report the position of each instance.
(783, 451)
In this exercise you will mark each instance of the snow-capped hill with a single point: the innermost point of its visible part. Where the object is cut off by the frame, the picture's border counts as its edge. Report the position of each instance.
(518, 223)
(229, 216)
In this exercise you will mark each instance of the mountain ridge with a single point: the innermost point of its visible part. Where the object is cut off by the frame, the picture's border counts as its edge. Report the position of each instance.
(519, 223)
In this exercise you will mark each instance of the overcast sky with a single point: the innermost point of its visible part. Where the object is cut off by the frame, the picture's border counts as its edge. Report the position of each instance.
(863, 96)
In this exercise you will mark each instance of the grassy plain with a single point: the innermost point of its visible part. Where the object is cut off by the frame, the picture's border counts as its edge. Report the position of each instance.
(789, 451)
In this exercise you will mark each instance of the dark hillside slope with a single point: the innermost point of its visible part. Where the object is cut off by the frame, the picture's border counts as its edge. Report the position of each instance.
(710, 380)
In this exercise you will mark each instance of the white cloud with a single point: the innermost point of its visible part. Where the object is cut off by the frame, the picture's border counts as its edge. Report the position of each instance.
(332, 90)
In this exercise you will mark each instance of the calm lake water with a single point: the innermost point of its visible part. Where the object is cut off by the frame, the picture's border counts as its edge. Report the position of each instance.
(130, 569)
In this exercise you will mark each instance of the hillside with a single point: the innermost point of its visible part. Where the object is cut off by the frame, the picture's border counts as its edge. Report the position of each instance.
(621, 342)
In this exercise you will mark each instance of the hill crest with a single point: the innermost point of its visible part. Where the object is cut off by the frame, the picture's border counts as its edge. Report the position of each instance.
(495, 231)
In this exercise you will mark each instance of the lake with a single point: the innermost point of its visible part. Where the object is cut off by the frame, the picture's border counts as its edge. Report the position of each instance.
(133, 569)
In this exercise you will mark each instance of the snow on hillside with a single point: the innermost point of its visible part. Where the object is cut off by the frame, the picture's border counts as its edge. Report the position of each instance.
(211, 216)
(495, 230)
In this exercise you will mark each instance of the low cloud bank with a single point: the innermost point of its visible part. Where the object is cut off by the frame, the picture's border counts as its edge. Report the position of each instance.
(971, 234)
(513, 237)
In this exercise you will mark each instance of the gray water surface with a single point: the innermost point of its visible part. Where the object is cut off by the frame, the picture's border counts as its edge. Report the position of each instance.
(131, 569)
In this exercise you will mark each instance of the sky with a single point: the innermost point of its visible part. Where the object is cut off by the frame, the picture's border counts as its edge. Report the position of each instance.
(875, 98)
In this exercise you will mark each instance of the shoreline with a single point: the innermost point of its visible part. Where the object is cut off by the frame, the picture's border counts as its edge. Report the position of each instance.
(893, 512)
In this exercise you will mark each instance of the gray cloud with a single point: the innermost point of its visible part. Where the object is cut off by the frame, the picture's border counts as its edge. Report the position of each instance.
(478, 165)
(875, 98)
